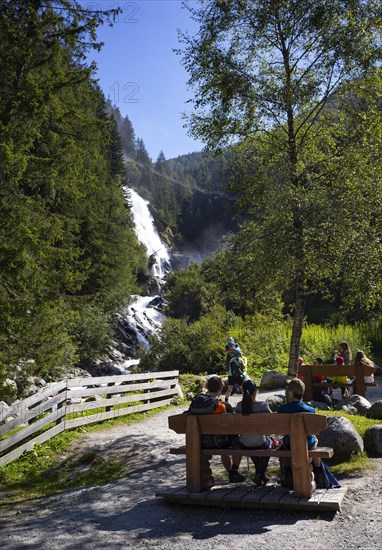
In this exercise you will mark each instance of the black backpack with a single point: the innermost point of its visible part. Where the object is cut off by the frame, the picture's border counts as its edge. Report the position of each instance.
(203, 404)
(236, 369)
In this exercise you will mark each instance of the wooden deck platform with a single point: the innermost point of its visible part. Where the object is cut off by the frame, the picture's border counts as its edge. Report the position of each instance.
(267, 498)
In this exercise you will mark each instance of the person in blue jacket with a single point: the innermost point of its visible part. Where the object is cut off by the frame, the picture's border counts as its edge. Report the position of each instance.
(295, 391)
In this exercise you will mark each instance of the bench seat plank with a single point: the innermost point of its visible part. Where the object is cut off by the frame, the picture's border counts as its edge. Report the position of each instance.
(321, 452)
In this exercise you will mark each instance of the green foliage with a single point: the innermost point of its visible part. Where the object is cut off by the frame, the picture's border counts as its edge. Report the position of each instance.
(197, 347)
(274, 78)
(191, 384)
(188, 294)
(321, 340)
(190, 348)
(67, 245)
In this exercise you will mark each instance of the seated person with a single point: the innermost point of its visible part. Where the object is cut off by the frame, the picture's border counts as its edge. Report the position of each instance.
(361, 359)
(210, 404)
(340, 380)
(249, 405)
(320, 394)
(295, 391)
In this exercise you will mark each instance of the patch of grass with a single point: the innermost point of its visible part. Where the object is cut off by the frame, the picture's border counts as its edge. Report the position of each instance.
(358, 463)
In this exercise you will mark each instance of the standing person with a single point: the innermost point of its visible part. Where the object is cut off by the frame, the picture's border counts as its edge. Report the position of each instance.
(247, 406)
(210, 404)
(236, 370)
(229, 349)
(295, 391)
(345, 353)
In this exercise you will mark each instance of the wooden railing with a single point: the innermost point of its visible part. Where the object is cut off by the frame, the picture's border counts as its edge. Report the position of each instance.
(54, 409)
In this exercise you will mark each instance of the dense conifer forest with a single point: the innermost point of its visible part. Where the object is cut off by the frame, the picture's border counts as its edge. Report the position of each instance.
(68, 251)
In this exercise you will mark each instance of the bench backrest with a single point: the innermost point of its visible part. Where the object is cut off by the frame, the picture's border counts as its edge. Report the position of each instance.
(297, 425)
(264, 423)
(336, 370)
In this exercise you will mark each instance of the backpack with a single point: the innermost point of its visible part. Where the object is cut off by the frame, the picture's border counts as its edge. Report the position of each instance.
(203, 404)
(236, 369)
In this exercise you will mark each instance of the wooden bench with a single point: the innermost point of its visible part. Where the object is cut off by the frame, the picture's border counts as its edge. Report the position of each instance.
(357, 372)
(298, 426)
(200, 488)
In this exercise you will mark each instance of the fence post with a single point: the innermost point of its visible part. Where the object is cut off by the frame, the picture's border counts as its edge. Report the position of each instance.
(109, 396)
(62, 403)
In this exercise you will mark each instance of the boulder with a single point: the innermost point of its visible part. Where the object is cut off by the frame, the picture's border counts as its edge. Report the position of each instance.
(40, 382)
(373, 440)
(274, 402)
(342, 437)
(76, 372)
(358, 402)
(273, 379)
(375, 410)
(105, 368)
(349, 409)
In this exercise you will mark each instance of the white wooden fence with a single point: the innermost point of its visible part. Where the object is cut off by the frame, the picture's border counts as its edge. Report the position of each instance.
(55, 408)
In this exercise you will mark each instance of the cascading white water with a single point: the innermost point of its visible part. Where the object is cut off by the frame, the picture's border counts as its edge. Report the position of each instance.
(143, 316)
(148, 235)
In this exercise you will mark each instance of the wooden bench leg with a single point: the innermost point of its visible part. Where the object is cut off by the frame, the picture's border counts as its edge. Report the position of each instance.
(301, 469)
(207, 480)
(193, 456)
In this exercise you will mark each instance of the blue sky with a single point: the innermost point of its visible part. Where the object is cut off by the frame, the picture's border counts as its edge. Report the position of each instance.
(142, 76)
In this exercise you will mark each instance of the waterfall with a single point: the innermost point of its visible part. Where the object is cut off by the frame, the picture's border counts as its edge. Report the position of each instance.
(144, 315)
(148, 235)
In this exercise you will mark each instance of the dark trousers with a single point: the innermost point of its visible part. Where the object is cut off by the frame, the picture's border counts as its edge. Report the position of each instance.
(260, 462)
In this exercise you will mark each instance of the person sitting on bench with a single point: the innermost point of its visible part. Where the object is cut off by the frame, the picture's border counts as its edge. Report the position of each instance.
(295, 391)
(210, 404)
(249, 405)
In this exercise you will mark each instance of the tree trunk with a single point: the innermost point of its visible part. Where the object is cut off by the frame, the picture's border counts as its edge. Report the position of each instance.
(297, 326)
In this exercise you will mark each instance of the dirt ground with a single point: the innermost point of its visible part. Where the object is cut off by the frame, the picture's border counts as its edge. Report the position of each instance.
(126, 514)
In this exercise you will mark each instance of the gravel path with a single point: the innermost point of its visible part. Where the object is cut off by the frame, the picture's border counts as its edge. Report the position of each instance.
(126, 514)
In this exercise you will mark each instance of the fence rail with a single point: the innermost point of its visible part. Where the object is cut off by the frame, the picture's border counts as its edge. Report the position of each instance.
(62, 406)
